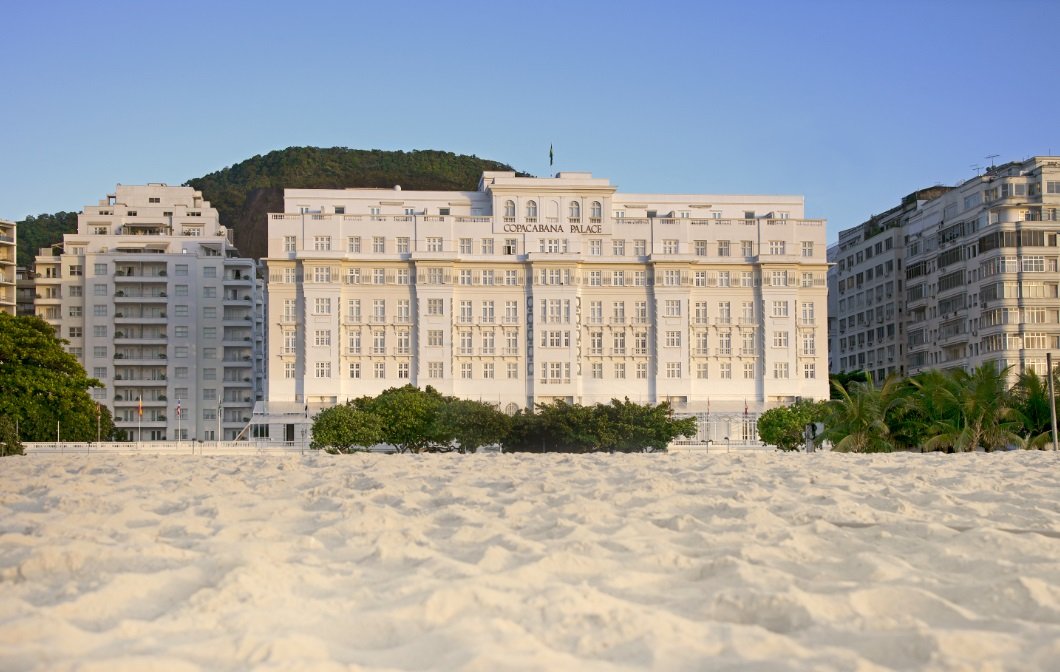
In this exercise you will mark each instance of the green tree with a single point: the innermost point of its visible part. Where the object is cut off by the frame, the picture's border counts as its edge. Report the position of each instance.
(473, 424)
(785, 426)
(1030, 404)
(43, 387)
(854, 422)
(630, 427)
(969, 410)
(345, 429)
(410, 418)
(9, 441)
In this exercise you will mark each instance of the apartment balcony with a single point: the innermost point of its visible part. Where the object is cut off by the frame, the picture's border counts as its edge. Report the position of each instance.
(124, 318)
(238, 280)
(126, 381)
(121, 338)
(245, 381)
(140, 358)
(510, 352)
(244, 361)
(235, 299)
(42, 300)
(146, 277)
(134, 400)
(124, 297)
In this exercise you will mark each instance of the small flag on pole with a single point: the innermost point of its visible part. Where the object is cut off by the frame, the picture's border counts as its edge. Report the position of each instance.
(140, 405)
(550, 155)
(745, 407)
(178, 408)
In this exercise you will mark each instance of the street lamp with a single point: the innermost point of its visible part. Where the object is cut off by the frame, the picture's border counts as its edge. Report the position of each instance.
(727, 445)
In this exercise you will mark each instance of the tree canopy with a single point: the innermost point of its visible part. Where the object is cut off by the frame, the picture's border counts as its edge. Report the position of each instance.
(952, 411)
(415, 420)
(785, 426)
(43, 387)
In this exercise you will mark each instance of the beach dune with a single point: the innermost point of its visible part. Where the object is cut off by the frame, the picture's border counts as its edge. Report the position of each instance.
(531, 562)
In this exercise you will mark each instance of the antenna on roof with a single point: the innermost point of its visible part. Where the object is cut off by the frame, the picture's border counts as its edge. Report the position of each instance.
(992, 157)
(977, 168)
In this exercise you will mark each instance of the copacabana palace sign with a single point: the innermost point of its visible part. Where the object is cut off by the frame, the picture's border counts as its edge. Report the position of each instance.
(580, 229)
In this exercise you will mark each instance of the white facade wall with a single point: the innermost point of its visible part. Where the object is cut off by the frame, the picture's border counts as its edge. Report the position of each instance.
(534, 289)
(7, 267)
(977, 278)
(982, 274)
(154, 303)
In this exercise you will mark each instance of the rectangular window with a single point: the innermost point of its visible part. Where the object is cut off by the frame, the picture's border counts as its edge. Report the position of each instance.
(379, 368)
(780, 339)
(780, 370)
(322, 243)
(434, 369)
(777, 247)
(807, 248)
(322, 306)
(353, 244)
(289, 244)
(323, 369)
(673, 369)
(809, 370)
(513, 371)
(378, 244)
(435, 306)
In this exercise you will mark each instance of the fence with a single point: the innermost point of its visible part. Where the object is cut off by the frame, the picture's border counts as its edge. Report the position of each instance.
(166, 448)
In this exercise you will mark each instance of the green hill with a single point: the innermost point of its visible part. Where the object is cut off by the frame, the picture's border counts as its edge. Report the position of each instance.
(245, 192)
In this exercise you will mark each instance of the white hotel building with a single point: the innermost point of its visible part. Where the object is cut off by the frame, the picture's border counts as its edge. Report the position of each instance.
(534, 289)
(155, 302)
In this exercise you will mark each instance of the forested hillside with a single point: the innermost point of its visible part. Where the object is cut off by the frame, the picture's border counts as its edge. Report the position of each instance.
(245, 192)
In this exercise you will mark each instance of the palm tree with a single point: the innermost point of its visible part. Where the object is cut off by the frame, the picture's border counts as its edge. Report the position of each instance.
(854, 419)
(1030, 403)
(968, 410)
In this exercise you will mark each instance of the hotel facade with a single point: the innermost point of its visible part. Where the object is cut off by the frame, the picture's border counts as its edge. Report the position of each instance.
(155, 302)
(975, 278)
(530, 290)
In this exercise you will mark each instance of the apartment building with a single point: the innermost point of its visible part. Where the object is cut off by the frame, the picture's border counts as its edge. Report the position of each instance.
(866, 294)
(25, 291)
(155, 302)
(979, 266)
(7, 267)
(534, 289)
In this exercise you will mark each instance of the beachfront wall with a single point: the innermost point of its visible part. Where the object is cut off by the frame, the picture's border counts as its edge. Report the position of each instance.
(530, 290)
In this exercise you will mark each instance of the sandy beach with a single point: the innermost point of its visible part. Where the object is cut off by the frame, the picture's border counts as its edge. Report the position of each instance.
(531, 562)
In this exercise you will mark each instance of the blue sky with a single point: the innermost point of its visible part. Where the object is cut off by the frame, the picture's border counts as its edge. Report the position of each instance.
(852, 104)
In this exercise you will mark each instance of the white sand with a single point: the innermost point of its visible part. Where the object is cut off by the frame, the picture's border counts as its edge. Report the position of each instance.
(509, 562)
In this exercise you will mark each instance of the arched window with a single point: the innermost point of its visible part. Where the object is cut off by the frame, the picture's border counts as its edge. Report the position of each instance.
(531, 210)
(575, 210)
(511, 409)
(597, 210)
(509, 208)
